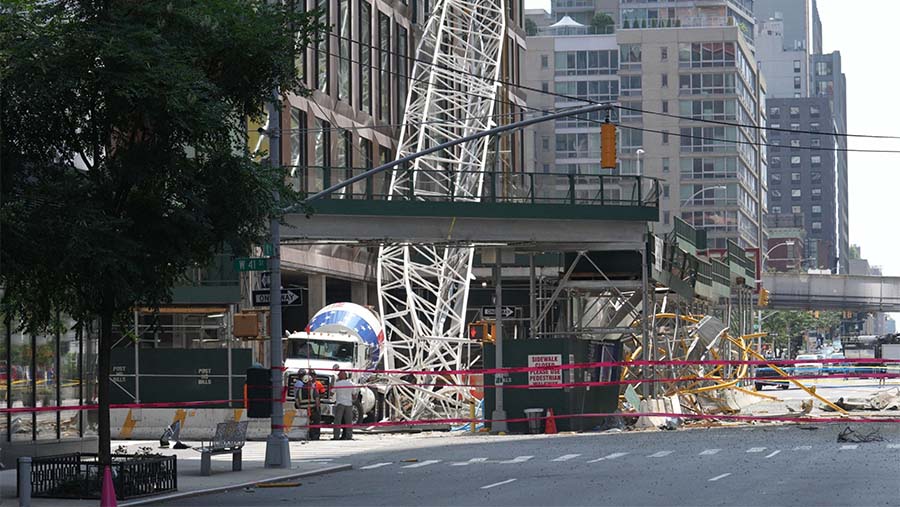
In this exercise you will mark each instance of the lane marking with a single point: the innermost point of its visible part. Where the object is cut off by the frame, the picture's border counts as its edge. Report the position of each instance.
(566, 457)
(470, 462)
(660, 454)
(756, 449)
(423, 464)
(893, 446)
(374, 466)
(803, 448)
(517, 459)
(714, 479)
(710, 452)
(772, 454)
(849, 447)
(494, 485)
(611, 456)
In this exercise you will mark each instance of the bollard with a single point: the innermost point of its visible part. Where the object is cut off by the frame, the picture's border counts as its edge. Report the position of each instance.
(472, 416)
(25, 481)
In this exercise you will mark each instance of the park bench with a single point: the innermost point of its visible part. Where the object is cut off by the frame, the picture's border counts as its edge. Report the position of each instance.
(230, 438)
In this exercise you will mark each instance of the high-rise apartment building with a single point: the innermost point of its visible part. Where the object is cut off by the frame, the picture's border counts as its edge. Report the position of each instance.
(789, 51)
(359, 76)
(675, 67)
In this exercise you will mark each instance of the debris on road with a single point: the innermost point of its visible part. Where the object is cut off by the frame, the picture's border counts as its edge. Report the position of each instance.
(884, 400)
(851, 435)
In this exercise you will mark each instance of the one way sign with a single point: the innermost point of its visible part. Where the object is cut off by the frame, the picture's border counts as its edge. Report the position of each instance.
(288, 297)
(491, 311)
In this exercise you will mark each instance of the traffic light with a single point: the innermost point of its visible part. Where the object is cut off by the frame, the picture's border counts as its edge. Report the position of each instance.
(763, 298)
(608, 146)
(480, 332)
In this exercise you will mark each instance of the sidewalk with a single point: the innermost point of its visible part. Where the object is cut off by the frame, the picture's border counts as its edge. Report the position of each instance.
(190, 482)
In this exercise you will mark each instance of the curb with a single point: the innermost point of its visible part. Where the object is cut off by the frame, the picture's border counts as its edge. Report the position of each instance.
(198, 492)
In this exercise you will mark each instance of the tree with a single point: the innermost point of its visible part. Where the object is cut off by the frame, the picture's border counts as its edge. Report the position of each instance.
(124, 150)
(602, 23)
(784, 326)
(531, 28)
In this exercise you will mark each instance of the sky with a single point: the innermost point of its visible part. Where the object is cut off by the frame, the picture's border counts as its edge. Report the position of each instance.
(866, 33)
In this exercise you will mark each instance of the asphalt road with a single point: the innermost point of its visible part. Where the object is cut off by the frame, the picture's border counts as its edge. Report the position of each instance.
(761, 465)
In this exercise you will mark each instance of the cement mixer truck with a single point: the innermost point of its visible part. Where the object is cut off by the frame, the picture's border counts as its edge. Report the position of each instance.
(342, 336)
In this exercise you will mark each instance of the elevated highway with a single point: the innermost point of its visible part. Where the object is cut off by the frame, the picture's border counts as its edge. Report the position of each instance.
(800, 291)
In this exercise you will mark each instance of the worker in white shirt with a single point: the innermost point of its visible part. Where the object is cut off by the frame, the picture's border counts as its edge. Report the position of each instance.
(345, 391)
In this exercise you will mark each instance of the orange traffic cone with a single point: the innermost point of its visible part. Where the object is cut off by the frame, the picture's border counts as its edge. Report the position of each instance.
(550, 425)
(107, 490)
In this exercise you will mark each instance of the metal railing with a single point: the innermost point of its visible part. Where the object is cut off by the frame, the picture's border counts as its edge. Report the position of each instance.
(79, 475)
(513, 188)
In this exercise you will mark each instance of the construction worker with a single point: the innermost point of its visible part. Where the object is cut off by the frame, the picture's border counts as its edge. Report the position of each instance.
(308, 392)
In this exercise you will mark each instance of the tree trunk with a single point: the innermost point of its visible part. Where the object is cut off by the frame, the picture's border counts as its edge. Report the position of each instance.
(103, 362)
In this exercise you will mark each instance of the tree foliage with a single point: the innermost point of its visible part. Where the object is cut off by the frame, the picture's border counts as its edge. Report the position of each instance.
(602, 23)
(784, 326)
(123, 147)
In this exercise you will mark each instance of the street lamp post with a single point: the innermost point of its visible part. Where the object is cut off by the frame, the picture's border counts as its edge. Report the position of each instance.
(762, 269)
(704, 189)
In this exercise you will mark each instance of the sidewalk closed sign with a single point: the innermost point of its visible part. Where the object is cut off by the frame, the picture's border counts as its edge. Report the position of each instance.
(544, 377)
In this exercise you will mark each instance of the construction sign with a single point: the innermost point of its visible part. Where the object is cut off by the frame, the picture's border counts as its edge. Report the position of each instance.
(545, 377)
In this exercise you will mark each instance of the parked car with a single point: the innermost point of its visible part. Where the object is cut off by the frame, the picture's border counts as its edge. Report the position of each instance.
(808, 365)
(764, 373)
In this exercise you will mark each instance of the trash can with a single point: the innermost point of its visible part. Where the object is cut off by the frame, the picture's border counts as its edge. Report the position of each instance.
(535, 423)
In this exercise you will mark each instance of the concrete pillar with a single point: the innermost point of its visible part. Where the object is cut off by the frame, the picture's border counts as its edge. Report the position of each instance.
(359, 293)
(316, 284)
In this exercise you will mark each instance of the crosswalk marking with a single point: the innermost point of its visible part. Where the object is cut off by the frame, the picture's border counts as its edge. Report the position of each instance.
(803, 448)
(423, 464)
(466, 463)
(566, 457)
(710, 452)
(375, 465)
(849, 447)
(714, 479)
(660, 454)
(611, 456)
(756, 449)
(773, 453)
(517, 459)
(489, 486)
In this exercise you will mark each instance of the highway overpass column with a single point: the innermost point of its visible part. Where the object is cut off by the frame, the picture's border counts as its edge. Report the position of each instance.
(316, 286)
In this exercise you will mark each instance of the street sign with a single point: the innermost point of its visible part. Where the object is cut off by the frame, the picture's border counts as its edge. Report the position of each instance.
(505, 311)
(288, 297)
(268, 250)
(251, 264)
(265, 279)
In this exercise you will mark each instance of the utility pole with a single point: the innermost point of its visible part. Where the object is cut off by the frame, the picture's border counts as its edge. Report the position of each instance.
(278, 449)
(498, 418)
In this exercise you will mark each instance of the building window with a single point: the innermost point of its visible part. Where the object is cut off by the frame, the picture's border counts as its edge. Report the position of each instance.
(775, 162)
(795, 112)
(319, 173)
(776, 210)
(814, 111)
(815, 142)
(665, 164)
(795, 143)
(665, 191)
(815, 177)
(816, 193)
(344, 51)
(776, 178)
(776, 194)
(817, 226)
(546, 168)
(709, 109)
(545, 86)
(814, 126)
(797, 83)
(706, 54)
(402, 70)
(664, 80)
(666, 217)
(817, 209)
(816, 160)
(665, 137)
(796, 193)
(298, 147)
(365, 57)
(545, 61)
(795, 161)
(706, 84)
(796, 65)
(665, 106)
(384, 79)
(586, 63)
(631, 85)
(630, 55)
(795, 210)
(545, 143)
(322, 71)
(795, 177)
(774, 111)
(795, 126)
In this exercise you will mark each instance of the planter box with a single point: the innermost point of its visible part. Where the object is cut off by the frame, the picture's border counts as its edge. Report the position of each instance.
(79, 475)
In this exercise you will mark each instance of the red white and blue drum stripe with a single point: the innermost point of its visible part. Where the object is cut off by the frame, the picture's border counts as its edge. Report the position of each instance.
(339, 317)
